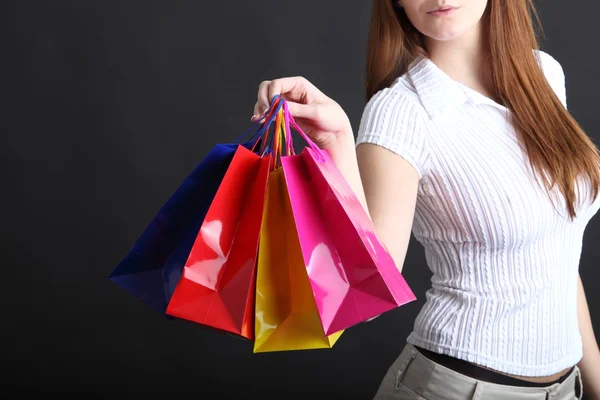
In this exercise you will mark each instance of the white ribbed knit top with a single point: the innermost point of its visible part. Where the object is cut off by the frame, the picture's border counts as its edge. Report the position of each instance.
(504, 261)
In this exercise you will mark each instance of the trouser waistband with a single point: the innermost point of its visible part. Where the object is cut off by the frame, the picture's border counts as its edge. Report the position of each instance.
(474, 371)
(434, 380)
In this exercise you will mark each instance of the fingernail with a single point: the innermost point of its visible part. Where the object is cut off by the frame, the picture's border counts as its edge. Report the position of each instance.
(253, 117)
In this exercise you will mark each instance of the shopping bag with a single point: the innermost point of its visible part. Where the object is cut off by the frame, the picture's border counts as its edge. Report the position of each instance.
(286, 314)
(152, 267)
(287, 317)
(352, 275)
(217, 286)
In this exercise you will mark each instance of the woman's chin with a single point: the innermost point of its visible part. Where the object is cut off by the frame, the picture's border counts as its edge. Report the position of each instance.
(445, 35)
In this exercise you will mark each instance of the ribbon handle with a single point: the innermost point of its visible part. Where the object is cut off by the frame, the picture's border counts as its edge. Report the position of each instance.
(289, 119)
(263, 132)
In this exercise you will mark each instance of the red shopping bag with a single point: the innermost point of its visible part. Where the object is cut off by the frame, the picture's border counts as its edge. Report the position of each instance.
(217, 286)
(352, 275)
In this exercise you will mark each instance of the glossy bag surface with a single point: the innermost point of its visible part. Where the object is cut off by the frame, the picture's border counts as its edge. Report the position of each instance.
(217, 285)
(287, 317)
(352, 275)
(151, 269)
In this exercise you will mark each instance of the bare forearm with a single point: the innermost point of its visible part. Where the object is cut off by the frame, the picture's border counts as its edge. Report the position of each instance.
(590, 363)
(343, 154)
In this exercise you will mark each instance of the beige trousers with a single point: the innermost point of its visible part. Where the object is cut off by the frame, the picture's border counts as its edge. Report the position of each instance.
(415, 377)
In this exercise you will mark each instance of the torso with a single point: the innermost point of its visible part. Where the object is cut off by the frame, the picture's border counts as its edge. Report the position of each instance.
(503, 258)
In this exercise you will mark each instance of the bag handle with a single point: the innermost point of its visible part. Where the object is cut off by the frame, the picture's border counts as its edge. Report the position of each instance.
(289, 119)
(263, 132)
(273, 143)
(282, 137)
(253, 137)
(262, 127)
(277, 139)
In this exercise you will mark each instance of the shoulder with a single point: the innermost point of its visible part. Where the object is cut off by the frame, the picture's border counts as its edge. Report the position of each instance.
(553, 71)
(400, 99)
(550, 65)
(394, 118)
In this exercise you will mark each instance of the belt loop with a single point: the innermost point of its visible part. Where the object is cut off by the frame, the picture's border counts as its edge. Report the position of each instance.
(403, 369)
(477, 392)
(580, 383)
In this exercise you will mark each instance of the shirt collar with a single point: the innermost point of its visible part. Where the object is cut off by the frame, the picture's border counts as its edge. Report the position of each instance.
(439, 93)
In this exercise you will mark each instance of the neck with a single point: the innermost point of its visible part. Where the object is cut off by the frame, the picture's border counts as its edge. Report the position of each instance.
(464, 59)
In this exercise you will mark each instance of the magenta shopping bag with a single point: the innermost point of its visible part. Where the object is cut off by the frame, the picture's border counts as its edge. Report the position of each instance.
(352, 275)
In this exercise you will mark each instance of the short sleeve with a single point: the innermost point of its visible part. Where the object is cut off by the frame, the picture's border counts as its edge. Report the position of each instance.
(393, 120)
(554, 75)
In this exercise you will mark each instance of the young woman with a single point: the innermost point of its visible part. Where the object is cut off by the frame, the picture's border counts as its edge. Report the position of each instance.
(466, 140)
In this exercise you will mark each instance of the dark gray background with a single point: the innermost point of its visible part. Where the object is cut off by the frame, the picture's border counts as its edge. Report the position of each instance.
(108, 105)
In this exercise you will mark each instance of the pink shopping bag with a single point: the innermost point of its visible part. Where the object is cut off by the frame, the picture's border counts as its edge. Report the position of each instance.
(352, 275)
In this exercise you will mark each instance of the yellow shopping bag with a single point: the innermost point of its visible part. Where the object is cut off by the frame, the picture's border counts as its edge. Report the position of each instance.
(286, 315)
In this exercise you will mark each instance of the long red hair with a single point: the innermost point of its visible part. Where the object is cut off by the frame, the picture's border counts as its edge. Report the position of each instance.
(554, 142)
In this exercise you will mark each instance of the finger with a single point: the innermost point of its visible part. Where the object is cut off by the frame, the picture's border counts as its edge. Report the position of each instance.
(263, 103)
(297, 110)
(257, 112)
(260, 113)
(296, 88)
(257, 109)
(308, 111)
